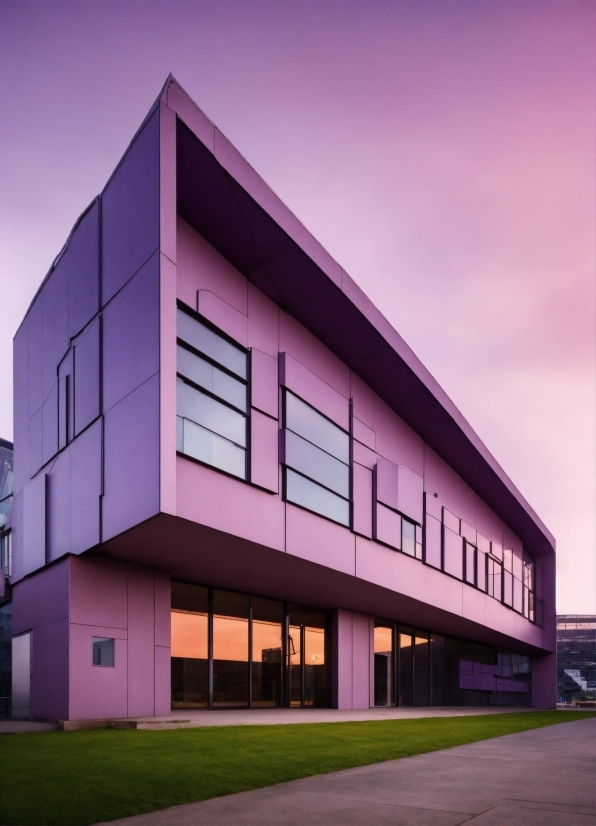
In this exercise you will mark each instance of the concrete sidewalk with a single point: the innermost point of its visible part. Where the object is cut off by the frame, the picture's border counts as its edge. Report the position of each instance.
(544, 777)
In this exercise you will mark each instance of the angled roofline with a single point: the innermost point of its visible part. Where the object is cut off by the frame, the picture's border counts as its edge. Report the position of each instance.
(485, 472)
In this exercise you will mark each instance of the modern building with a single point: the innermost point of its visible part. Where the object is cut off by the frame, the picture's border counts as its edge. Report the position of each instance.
(236, 485)
(6, 494)
(576, 657)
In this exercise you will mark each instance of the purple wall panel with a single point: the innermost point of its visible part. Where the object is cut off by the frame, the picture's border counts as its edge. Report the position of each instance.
(364, 456)
(58, 507)
(262, 322)
(363, 499)
(264, 470)
(55, 322)
(163, 680)
(83, 271)
(223, 315)
(468, 532)
(314, 390)
(35, 354)
(41, 599)
(452, 553)
(21, 406)
(387, 528)
(130, 211)
(483, 543)
(35, 442)
(34, 524)
(451, 521)
(163, 605)
(343, 659)
(97, 692)
(264, 387)
(432, 530)
(131, 460)
(141, 641)
(433, 506)
(131, 327)
(319, 540)
(85, 465)
(410, 496)
(360, 661)
(86, 377)
(386, 483)
(362, 433)
(49, 677)
(99, 592)
(16, 518)
(50, 425)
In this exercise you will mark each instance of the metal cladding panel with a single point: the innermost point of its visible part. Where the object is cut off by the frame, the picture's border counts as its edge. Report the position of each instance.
(432, 541)
(86, 377)
(131, 460)
(410, 495)
(35, 355)
(302, 381)
(433, 506)
(34, 524)
(264, 386)
(50, 424)
(35, 442)
(131, 335)
(85, 463)
(49, 671)
(363, 499)
(83, 271)
(58, 507)
(453, 559)
(130, 211)
(223, 315)
(54, 295)
(141, 641)
(386, 483)
(387, 527)
(264, 453)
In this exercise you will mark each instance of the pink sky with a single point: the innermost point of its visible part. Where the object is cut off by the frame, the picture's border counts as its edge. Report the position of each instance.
(443, 153)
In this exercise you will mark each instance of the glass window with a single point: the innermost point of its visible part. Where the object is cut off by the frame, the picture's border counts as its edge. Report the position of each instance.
(301, 491)
(383, 642)
(304, 420)
(421, 669)
(405, 667)
(211, 344)
(212, 421)
(102, 649)
(452, 553)
(190, 646)
(508, 588)
(470, 564)
(230, 649)
(418, 542)
(313, 462)
(267, 652)
(480, 570)
(437, 670)
(309, 675)
(408, 537)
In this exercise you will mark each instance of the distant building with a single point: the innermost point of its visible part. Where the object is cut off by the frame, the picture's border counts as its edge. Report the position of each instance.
(236, 485)
(6, 496)
(576, 657)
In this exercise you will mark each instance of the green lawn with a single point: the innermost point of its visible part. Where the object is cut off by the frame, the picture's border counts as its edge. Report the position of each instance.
(84, 777)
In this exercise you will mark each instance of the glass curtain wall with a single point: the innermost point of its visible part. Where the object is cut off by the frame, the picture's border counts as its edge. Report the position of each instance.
(231, 650)
(383, 663)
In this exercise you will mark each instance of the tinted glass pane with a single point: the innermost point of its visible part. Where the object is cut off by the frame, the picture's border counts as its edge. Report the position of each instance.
(314, 666)
(211, 344)
(405, 667)
(190, 658)
(318, 465)
(452, 553)
(205, 446)
(267, 662)
(189, 597)
(437, 670)
(408, 537)
(309, 495)
(480, 570)
(314, 427)
(470, 563)
(507, 588)
(230, 649)
(206, 375)
(383, 642)
(217, 417)
(421, 669)
(103, 651)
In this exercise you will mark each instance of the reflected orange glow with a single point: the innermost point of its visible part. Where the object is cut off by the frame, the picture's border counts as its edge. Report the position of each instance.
(230, 639)
(265, 636)
(189, 635)
(315, 646)
(383, 642)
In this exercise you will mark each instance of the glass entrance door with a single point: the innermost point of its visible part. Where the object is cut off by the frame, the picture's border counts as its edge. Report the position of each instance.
(383, 641)
(306, 658)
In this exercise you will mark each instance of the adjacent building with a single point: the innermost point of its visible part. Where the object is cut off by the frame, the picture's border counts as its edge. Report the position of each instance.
(236, 485)
(6, 494)
(576, 658)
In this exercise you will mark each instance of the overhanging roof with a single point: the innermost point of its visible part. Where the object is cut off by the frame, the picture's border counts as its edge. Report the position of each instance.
(221, 195)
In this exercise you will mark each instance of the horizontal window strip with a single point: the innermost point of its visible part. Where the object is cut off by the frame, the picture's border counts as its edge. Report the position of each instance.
(302, 491)
(212, 345)
(199, 443)
(203, 410)
(315, 428)
(319, 466)
(204, 374)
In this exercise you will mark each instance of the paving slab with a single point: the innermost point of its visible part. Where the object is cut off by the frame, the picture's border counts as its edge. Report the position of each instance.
(544, 776)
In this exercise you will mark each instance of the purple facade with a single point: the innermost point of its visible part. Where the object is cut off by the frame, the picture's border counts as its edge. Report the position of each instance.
(204, 399)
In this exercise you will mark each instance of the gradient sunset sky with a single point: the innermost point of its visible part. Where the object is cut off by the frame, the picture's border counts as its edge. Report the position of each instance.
(441, 150)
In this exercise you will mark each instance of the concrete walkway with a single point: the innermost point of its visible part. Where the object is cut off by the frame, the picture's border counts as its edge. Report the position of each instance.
(544, 777)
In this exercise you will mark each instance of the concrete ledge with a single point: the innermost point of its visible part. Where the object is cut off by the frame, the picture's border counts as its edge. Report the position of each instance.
(80, 725)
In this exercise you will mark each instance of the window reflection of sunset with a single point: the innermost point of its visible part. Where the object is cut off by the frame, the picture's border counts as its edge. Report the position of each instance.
(189, 635)
(315, 646)
(383, 643)
(230, 639)
(265, 636)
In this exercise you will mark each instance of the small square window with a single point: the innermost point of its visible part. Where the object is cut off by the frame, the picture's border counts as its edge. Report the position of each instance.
(103, 651)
